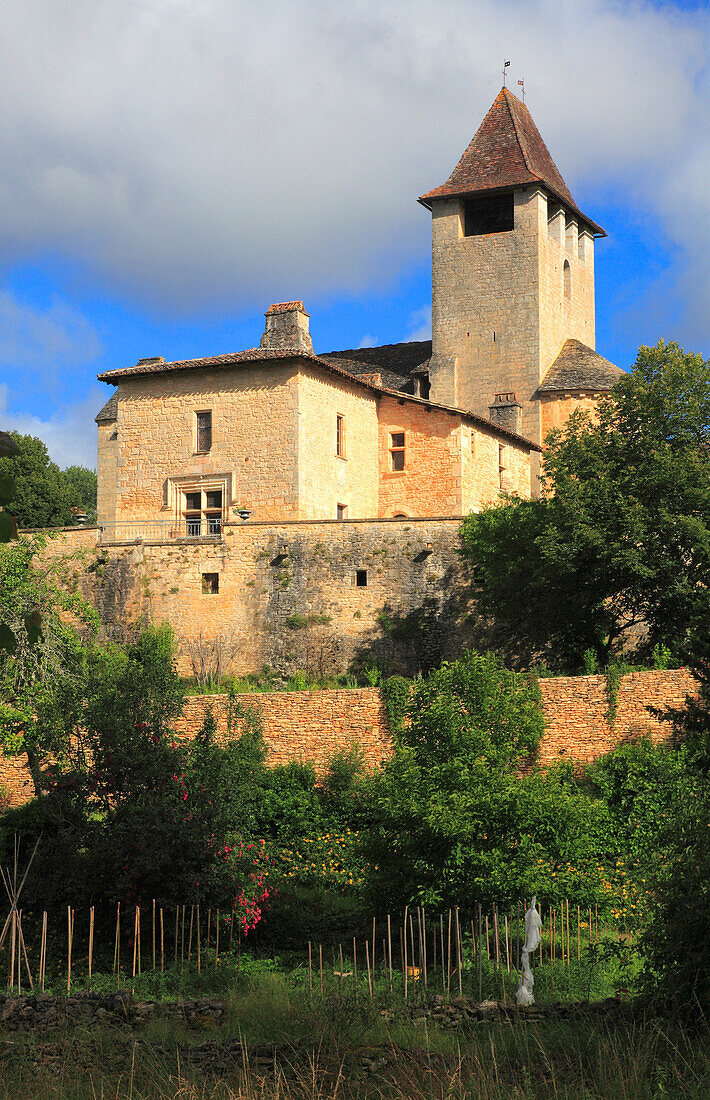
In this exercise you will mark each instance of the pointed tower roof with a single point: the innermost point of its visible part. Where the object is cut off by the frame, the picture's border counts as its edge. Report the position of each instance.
(507, 151)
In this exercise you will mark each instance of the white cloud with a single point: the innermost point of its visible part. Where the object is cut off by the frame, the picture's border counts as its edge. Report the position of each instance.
(69, 433)
(367, 342)
(36, 340)
(420, 324)
(227, 153)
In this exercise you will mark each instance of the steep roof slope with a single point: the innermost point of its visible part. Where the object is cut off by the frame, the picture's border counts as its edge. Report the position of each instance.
(578, 367)
(396, 363)
(506, 151)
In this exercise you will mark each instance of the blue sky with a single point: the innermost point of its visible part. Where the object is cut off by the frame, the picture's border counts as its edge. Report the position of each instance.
(171, 167)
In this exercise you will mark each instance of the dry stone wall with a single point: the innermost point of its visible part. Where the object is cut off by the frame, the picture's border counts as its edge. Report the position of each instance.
(312, 725)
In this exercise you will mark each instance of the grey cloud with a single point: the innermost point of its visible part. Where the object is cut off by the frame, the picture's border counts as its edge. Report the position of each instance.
(223, 153)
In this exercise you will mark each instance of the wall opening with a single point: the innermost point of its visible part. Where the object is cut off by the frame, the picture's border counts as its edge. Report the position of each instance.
(567, 278)
(341, 511)
(340, 436)
(494, 214)
(361, 578)
(210, 584)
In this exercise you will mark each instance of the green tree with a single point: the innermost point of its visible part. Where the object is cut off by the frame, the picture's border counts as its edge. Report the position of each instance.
(621, 538)
(677, 935)
(42, 669)
(457, 815)
(43, 497)
(81, 484)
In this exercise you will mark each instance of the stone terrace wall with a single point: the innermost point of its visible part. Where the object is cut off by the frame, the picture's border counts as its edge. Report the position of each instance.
(305, 725)
(312, 725)
(576, 726)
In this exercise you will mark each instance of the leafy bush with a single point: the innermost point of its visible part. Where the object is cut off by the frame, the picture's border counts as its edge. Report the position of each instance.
(455, 816)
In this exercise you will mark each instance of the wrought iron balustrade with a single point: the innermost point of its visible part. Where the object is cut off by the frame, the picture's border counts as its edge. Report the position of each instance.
(161, 530)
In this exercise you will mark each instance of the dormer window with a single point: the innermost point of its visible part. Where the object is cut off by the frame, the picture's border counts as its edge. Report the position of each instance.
(489, 214)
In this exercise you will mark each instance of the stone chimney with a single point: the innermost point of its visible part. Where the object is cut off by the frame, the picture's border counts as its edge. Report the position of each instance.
(505, 411)
(287, 328)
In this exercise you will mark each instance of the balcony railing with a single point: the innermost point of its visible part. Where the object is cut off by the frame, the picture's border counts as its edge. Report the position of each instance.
(161, 530)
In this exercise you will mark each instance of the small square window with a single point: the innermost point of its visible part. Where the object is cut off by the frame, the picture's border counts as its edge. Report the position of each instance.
(210, 583)
(361, 578)
(214, 498)
(341, 511)
(193, 502)
(203, 432)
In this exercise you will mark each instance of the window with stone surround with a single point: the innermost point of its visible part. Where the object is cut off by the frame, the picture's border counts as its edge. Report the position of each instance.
(210, 584)
(340, 435)
(202, 511)
(341, 511)
(489, 214)
(397, 451)
(203, 431)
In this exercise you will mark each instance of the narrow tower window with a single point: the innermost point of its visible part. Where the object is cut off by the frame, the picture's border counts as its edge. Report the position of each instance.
(502, 466)
(341, 511)
(567, 275)
(340, 436)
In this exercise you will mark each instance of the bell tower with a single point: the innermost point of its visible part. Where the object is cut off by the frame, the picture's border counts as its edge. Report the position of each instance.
(512, 272)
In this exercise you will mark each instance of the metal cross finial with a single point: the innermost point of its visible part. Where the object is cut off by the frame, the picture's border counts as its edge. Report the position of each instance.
(505, 66)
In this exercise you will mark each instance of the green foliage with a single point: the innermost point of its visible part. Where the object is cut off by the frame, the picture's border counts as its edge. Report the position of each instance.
(43, 668)
(613, 674)
(677, 936)
(44, 495)
(454, 817)
(396, 692)
(622, 535)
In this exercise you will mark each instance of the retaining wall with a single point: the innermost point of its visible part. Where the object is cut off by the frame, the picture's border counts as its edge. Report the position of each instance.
(312, 725)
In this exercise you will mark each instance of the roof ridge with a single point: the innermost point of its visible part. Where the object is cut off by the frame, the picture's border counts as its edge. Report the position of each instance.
(521, 145)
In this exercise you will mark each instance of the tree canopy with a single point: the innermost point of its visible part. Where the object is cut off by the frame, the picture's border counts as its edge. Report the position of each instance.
(617, 550)
(44, 495)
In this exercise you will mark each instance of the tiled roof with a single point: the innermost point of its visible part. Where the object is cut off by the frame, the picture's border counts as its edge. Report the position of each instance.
(109, 411)
(406, 356)
(506, 151)
(252, 355)
(578, 367)
(396, 363)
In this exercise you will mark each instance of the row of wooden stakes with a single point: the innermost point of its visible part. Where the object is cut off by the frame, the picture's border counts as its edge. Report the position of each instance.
(422, 945)
(426, 945)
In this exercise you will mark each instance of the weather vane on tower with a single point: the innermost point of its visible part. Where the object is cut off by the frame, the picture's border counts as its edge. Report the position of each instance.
(505, 66)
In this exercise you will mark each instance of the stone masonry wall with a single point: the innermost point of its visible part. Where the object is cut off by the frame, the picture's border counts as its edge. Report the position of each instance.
(325, 479)
(576, 726)
(254, 439)
(485, 311)
(312, 725)
(305, 725)
(314, 595)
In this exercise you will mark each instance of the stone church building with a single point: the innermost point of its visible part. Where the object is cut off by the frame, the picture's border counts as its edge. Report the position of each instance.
(429, 429)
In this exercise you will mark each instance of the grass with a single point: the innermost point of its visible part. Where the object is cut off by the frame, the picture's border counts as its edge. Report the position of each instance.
(277, 1042)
